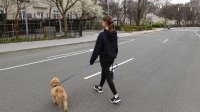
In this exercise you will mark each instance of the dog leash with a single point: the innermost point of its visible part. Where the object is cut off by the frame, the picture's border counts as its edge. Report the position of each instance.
(81, 71)
(112, 69)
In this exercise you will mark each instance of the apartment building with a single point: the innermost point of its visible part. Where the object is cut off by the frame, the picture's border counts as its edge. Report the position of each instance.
(35, 9)
(195, 3)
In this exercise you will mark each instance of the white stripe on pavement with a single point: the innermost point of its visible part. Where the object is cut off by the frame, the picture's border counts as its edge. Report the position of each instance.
(84, 51)
(110, 68)
(51, 58)
(32, 63)
(72, 54)
(165, 41)
(197, 33)
(126, 42)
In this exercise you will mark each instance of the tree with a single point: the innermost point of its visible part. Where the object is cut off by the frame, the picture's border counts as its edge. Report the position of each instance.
(50, 5)
(176, 12)
(140, 10)
(131, 11)
(86, 7)
(63, 7)
(143, 8)
(7, 5)
(20, 4)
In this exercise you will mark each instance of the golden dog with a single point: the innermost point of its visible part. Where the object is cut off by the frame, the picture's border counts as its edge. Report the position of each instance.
(58, 94)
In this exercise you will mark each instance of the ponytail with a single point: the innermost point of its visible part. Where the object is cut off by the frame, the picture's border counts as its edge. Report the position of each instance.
(110, 23)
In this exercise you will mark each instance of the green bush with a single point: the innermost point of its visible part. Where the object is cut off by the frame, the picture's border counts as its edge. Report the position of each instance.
(158, 25)
(148, 27)
(118, 28)
(127, 28)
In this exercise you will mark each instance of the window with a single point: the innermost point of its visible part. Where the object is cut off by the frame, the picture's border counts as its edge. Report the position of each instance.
(22, 14)
(29, 15)
(55, 14)
(39, 14)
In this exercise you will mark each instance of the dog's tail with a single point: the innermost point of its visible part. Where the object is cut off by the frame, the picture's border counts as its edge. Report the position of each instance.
(65, 105)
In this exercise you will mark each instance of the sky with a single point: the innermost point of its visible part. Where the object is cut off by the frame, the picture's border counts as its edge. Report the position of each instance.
(179, 1)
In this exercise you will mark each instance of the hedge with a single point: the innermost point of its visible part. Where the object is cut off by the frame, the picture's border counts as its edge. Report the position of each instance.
(128, 28)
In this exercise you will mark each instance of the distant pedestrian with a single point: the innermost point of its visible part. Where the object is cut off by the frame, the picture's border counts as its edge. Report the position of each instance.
(106, 48)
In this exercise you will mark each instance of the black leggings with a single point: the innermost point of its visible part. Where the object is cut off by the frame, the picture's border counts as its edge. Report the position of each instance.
(106, 75)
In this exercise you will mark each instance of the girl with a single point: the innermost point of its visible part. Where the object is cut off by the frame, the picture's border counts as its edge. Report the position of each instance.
(106, 48)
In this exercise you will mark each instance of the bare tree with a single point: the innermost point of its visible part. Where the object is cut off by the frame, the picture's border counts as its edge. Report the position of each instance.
(50, 6)
(131, 11)
(63, 7)
(7, 5)
(143, 8)
(106, 4)
(20, 4)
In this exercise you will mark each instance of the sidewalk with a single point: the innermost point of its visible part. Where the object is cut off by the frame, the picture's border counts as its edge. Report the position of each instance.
(88, 36)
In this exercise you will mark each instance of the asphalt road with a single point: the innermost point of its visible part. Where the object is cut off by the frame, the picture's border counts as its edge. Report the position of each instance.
(164, 75)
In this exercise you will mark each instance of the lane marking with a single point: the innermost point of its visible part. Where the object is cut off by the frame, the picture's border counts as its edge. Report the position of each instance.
(165, 41)
(88, 77)
(72, 54)
(55, 57)
(197, 33)
(84, 51)
(30, 63)
(126, 42)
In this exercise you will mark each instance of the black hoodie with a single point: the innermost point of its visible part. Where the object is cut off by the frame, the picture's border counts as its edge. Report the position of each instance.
(106, 46)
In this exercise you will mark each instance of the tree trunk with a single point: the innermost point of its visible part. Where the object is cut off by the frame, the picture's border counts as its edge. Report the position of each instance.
(165, 22)
(138, 17)
(124, 19)
(16, 24)
(65, 25)
(50, 16)
(130, 22)
(4, 22)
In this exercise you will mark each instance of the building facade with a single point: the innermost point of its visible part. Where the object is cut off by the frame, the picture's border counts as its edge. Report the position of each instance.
(35, 9)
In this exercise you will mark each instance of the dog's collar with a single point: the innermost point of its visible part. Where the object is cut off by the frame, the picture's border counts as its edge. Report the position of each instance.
(55, 85)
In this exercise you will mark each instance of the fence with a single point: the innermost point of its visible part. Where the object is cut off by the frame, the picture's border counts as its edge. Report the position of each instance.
(9, 32)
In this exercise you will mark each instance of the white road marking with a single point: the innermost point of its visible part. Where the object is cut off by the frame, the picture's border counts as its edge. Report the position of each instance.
(51, 58)
(32, 63)
(110, 68)
(197, 33)
(72, 54)
(165, 41)
(126, 42)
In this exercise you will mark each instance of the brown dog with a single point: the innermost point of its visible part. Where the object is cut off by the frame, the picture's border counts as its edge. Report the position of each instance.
(58, 94)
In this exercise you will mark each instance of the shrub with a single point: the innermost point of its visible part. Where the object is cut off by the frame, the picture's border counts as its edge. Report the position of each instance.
(127, 28)
(158, 25)
(118, 28)
(148, 27)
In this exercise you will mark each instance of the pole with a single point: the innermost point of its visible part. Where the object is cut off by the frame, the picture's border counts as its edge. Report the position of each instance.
(26, 22)
(60, 25)
(108, 6)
